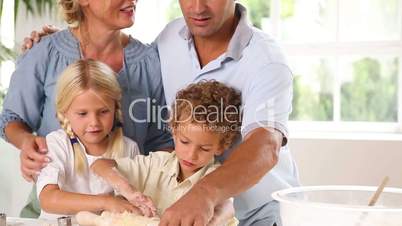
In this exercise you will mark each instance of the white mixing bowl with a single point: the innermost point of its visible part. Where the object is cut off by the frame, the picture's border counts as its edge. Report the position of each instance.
(339, 206)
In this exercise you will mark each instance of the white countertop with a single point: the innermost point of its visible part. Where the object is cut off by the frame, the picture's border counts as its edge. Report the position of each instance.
(13, 221)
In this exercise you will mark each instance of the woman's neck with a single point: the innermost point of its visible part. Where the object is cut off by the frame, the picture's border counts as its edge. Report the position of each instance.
(102, 44)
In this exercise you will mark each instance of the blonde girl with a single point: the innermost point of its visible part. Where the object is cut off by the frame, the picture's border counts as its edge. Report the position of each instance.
(94, 32)
(88, 109)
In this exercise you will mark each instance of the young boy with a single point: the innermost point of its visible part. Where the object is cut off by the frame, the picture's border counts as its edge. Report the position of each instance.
(205, 121)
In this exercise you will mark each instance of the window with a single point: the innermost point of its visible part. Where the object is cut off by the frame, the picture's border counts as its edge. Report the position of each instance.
(346, 57)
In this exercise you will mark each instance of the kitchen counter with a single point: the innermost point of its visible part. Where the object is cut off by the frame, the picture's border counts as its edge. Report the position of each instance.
(14, 221)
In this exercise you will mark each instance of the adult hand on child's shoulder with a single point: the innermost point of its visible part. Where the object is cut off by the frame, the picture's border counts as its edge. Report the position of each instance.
(36, 36)
(33, 157)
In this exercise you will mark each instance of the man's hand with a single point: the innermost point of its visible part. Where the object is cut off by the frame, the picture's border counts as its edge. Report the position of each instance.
(193, 209)
(33, 157)
(36, 36)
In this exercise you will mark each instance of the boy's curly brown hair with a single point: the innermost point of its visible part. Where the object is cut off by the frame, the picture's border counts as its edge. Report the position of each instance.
(211, 104)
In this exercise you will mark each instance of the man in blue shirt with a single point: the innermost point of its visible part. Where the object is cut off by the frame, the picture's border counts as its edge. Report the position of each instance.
(215, 41)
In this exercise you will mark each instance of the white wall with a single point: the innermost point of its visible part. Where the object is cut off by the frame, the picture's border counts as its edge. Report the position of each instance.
(348, 161)
(14, 190)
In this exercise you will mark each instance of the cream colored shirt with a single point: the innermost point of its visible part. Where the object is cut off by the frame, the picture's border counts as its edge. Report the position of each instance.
(156, 175)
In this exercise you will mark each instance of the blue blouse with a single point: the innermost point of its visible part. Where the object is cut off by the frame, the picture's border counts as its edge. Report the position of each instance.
(31, 95)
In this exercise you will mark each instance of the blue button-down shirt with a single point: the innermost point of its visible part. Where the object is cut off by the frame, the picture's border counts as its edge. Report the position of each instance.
(255, 65)
(31, 95)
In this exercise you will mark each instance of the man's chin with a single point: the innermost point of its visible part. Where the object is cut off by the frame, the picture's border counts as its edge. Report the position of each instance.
(201, 32)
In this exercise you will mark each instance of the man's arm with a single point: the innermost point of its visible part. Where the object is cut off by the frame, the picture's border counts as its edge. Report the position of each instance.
(252, 159)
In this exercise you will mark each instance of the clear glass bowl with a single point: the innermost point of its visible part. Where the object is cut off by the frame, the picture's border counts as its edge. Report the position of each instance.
(339, 206)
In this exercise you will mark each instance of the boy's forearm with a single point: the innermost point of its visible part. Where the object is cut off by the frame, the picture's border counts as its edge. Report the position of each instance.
(106, 169)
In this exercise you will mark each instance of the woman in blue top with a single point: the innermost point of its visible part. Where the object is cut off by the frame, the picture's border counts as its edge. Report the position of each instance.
(94, 32)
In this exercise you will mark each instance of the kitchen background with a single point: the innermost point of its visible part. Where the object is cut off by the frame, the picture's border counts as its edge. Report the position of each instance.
(346, 56)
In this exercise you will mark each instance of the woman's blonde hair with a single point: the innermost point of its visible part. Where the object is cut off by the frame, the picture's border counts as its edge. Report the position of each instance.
(72, 12)
(78, 78)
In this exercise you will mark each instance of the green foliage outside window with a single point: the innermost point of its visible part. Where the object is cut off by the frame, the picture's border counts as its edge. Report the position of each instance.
(173, 11)
(257, 10)
(310, 105)
(372, 94)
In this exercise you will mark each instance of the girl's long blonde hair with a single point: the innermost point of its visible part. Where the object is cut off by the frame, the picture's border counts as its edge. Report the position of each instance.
(78, 78)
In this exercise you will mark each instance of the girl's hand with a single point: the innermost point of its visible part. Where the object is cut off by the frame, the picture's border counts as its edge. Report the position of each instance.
(143, 202)
(116, 204)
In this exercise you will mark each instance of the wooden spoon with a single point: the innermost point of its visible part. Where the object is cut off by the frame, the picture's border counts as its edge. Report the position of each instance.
(374, 199)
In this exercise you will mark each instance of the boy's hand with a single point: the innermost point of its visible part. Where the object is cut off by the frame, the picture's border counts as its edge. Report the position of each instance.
(223, 213)
(143, 202)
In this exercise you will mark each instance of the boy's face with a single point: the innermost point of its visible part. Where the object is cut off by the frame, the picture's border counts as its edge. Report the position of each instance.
(195, 147)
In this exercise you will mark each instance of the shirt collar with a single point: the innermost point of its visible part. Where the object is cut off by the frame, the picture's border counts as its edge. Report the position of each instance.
(240, 38)
(172, 168)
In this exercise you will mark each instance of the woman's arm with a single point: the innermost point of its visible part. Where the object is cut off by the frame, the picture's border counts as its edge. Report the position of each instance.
(53, 200)
(33, 149)
(23, 109)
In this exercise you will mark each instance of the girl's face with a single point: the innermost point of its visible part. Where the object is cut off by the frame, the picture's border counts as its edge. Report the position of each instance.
(195, 147)
(91, 117)
(115, 14)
